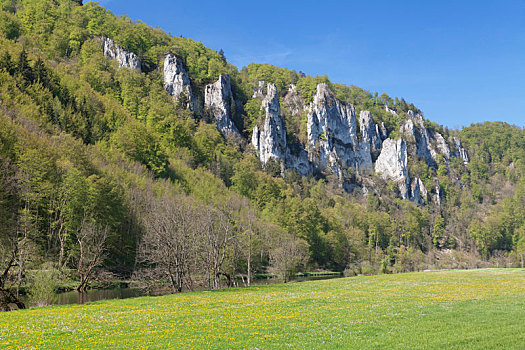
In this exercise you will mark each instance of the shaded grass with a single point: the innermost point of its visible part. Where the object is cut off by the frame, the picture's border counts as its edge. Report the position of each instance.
(478, 309)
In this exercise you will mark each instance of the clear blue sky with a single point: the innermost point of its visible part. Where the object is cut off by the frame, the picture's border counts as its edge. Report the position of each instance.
(458, 61)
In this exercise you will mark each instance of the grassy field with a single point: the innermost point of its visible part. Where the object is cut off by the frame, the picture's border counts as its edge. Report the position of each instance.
(478, 309)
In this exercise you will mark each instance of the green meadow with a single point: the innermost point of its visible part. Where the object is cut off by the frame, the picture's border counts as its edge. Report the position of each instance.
(470, 309)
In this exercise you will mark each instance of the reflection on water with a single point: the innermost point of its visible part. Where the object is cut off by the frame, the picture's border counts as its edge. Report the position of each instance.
(75, 297)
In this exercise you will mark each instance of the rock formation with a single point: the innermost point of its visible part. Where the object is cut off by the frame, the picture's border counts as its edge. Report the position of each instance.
(259, 91)
(338, 141)
(418, 192)
(269, 139)
(429, 144)
(293, 100)
(442, 145)
(392, 163)
(177, 81)
(370, 141)
(369, 131)
(437, 197)
(218, 99)
(297, 158)
(124, 57)
(461, 152)
(332, 131)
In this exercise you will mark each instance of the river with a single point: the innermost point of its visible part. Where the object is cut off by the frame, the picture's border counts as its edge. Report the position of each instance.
(74, 297)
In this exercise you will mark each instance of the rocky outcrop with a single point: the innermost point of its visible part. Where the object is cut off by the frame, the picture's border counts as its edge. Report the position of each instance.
(437, 197)
(124, 57)
(369, 131)
(370, 141)
(269, 139)
(392, 164)
(294, 101)
(442, 146)
(332, 131)
(297, 158)
(418, 192)
(413, 128)
(338, 141)
(259, 91)
(392, 111)
(177, 81)
(218, 99)
(461, 152)
(429, 144)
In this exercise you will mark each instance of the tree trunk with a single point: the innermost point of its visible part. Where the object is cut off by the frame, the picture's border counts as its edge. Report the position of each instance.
(228, 277)
(7, 297)
(3, 278)
(83, 284)
(62, 246)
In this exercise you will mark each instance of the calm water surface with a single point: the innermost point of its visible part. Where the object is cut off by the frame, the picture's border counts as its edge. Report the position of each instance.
(75, 297)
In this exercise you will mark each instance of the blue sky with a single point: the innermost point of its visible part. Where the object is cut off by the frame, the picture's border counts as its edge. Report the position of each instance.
(459, 61)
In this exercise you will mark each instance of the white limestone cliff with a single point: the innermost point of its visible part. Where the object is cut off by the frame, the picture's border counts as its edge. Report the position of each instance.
(369, 131)
(461, 152)
(177, 81)
(392, 164)
(269, 139)
(429, 143)
(124, 57)
(293, 101)
(418, 192)
(218, 99)
(332, 131)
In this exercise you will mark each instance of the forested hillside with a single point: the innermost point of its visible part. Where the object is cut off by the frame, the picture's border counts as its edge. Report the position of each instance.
(129, 153)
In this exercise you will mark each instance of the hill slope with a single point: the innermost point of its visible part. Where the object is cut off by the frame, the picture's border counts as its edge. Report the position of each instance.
(118, 137)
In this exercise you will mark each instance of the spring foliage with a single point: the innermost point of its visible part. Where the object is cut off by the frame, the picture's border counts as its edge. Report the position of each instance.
(86, 144)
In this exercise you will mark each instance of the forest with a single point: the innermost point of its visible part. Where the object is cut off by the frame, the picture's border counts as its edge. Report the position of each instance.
(105, 176)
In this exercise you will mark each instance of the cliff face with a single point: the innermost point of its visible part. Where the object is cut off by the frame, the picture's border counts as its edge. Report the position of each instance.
(369, 143)
(429, 144)
(337, 141)
(336, 138)
(269, 139)
(177, 81)
(392, 163)
(369, 131)
(218, 100)
(461, 152)
(124, 57)
(332, 131)
(418, 192)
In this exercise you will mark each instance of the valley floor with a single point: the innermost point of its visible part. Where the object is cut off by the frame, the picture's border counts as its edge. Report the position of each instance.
(470, 309)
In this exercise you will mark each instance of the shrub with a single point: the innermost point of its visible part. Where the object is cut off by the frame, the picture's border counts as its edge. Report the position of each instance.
(43, 286)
